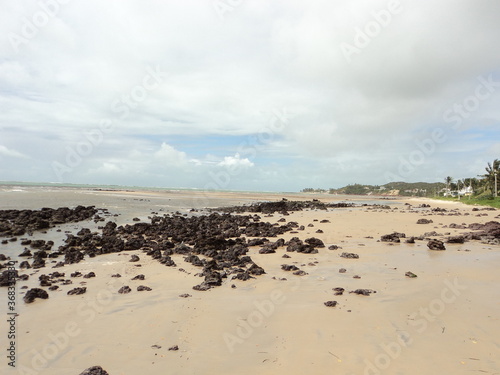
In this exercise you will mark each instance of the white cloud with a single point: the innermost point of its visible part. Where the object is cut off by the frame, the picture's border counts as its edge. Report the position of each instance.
(170, 156)
(11, 153)
(235, 162)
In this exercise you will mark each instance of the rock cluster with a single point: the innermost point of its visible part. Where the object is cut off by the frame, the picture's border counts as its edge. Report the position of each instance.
(18, 222)
(393, 237)
(283, 206)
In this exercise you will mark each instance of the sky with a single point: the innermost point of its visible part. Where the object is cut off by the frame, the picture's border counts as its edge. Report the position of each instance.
(248, 94)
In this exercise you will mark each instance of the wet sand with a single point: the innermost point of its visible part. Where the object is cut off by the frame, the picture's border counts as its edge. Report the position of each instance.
(445, 321)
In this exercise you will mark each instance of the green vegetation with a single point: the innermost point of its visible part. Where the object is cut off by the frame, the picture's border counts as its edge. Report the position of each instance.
(480, 190)
(408, 189)
(482, 201)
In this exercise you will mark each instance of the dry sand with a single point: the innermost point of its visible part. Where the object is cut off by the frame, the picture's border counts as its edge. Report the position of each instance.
(445, 321)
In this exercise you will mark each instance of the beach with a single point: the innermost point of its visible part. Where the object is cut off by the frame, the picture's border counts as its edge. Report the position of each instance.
(443, 321)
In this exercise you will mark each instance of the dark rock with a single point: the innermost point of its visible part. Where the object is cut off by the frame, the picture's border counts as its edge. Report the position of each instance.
(124, 289)
(289, 267)
(243, 276)
(342, 270)
(315, 242)
(174, 348)
(334, 247)
(431, 234)
(77, 291)
(256, 270)
(410, 275)
(167, 261)
(35, 293)
(141, 288)
(185, 295)
(349, 255)
(25, 253)
(134, 258)
(72, 256)
(38, 263)
(139, 277)
(37, 244)
(338, 291)
(436, 245)
(330, 303)
(393, 237)
(213, 278)
(94, 370)
(8, 278)
(202, 287)
(456, 239)
(89, 275)
(424, 221)
(363, 292)
(456, 226)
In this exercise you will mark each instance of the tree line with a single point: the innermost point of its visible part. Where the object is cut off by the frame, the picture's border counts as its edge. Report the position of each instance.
(487, 184)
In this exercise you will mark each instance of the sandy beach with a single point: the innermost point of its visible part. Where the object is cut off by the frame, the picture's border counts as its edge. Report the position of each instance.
(444, 321)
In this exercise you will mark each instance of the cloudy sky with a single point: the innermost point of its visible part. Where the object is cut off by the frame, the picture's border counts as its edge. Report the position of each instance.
(248, 94)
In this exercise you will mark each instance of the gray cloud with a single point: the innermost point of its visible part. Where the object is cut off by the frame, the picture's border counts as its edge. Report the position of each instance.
(352, 121)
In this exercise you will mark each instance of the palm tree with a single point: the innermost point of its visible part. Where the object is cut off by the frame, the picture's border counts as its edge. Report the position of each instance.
(448, 181)
(491, 176)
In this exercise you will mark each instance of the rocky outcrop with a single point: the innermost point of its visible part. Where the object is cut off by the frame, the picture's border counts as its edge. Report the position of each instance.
(436, 245)
(393, 237)
(34, 293)
(19, 222)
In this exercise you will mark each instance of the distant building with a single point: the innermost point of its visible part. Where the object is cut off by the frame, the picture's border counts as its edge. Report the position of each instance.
(466, 191)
